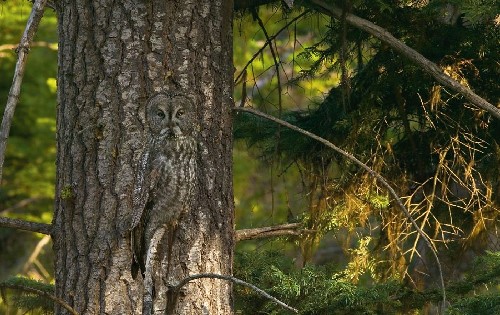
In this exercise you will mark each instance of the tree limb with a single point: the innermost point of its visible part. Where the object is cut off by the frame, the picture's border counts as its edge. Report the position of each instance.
(268, 231)
(374, 174)
(26, 225)
(428, 66)
(186, 280)
(22, 51)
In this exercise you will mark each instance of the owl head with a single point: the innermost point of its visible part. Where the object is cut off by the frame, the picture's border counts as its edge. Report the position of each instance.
(170, 116)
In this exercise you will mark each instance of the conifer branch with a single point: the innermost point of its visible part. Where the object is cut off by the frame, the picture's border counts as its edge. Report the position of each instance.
(40, 293)
(188, 279)
(374, 174)
(22, 52)
(427, 65)
(26, 225)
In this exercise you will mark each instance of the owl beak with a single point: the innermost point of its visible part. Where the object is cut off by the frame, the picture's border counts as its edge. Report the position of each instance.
(166, 133)
(171, 132)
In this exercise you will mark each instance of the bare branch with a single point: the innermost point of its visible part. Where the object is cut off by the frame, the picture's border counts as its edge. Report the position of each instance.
(186, 280)
(269, 231)
(22, 51)
(374, 174)
(410, 53)
(275, 55)
(41, 293)
(26, 225)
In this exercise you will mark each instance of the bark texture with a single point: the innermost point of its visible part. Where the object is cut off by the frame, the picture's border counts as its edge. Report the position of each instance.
(113, 56)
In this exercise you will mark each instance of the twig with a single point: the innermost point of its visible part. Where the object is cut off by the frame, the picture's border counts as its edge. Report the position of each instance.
(188, 279)
(376, 175)
(275, 55)
(26, 225)
(410, 53)
(41, 293)
(277, 62)
(269, 231)
(22, 51)
(267, 42)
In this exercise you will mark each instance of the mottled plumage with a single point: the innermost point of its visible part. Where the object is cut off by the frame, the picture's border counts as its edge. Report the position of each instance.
(165, 175)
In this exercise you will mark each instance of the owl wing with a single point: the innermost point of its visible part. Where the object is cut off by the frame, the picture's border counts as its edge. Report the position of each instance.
(146, 180)
(148, 175)
(141, 188)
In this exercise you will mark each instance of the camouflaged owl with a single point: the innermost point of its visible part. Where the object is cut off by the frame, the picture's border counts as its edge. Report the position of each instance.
(165, 173)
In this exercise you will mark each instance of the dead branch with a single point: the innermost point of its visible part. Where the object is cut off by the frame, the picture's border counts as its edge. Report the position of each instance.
(269, 231)
(188, 279)
(26, 225)
(22, 51)
(374, 174)
(411, 54)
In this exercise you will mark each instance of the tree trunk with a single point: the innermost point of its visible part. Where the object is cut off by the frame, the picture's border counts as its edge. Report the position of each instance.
(113, 57)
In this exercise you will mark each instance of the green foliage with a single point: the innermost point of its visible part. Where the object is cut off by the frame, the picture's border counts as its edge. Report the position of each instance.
(29, 168)
(27, 190)
(16, 290)
(486, 304)
(328, 290)
(313, 289)
(440, 155)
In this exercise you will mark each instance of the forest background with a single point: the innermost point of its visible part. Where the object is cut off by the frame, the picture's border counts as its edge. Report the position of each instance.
(350, 250)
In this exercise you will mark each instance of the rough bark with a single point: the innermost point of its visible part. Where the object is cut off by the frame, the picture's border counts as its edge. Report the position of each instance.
(113, 56)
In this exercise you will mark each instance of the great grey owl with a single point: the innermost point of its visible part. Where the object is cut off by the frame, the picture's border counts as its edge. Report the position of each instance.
(165, 173)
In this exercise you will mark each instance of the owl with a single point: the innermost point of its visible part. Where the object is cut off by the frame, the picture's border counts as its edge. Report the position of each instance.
(165, 181)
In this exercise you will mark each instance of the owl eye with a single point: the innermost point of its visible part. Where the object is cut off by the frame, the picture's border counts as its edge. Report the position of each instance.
(179, 113)
(160, 114)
